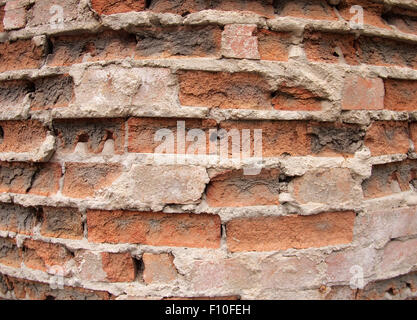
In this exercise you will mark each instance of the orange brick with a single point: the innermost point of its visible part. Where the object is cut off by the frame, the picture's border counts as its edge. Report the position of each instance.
(184, 7)
(158, 268)
(61, 223)
(142, 133)
(117, 6)
(21, 54)
(390, 178)
(40, 179)
(295, 99)
(387, 137)
(82, 180)
(278, 137)
(330, 47)
(119, 267)
(400, 95)
(297, 232)
(22, 136)
(1, 18)
(224, 90)
(273, 45)
(234, 189)
(43, 256)
(9, 253)
(372, 11)
(157, 229)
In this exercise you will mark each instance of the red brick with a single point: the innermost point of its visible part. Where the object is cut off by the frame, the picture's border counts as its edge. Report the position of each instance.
(142, 132)
(238, 41)
(52, 92)
(107, 7)
(224, 90)
(387, 137)
(390, 178)
(9, 253)
(16, 218)
(400, 95)
(32, 290)
(310, 9)
(119, 267)
(372, 11)
(330, 47)
(273, 45)
(278, 137)
(13, 94)
(1, 18)
(184, 7)
(157, 229)
(39, 179)
(386, 52)
(15, 14)
(82, 180)
(363, 93)
(297, 232)
(22, 136)
(43, 256)
(178, 41)
(158, 268)
(334, 185)
(62, 223)
(108, 45)
(295, 98)
(234, 189)
(21, 54)
(94, 132)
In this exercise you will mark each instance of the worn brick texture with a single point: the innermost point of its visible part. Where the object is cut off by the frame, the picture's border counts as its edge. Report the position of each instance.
(190, 149)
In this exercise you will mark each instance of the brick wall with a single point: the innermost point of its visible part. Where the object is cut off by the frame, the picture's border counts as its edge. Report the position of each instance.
(112, 181)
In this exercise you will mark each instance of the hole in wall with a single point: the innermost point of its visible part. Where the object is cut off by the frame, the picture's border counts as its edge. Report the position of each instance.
(1, 135)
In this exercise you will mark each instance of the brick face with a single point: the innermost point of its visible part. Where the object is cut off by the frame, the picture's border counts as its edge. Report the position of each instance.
(224, 90)
(119, 267)
(117, 6)
(400, 95)
(157, 229)
(39, 179)
(61, 223)
(82, 180)
(17, 218)
(298, 232)
(235, 189)
(387, 137)
(22, 136)
(21, 54)
(207, 149)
